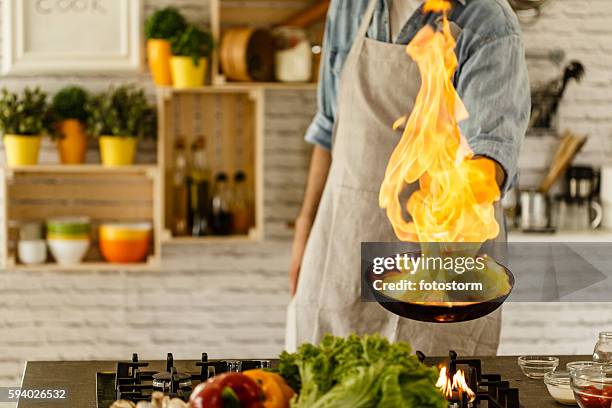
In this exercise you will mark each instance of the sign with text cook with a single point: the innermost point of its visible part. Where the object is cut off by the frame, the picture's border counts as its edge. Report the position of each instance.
(71, 36)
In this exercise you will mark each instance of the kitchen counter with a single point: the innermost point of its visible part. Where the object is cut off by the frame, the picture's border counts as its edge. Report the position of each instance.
(79, 379)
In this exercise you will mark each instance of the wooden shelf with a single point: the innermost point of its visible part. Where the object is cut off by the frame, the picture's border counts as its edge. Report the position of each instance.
(241, 87)
(234, 239)
(83, 168)
(151, 265)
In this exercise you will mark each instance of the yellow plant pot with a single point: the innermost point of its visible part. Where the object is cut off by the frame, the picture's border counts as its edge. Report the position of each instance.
(21, 150)
(158, 55)
(186, 74)
(72, 145)
(117, 150)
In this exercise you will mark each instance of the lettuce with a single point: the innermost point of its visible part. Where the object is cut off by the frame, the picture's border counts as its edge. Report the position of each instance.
(360, 372)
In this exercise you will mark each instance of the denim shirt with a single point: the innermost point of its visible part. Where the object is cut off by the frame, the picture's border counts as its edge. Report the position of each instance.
(491, 79)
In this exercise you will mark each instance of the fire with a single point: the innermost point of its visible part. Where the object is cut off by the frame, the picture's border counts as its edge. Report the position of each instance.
(456, 193)
(457, 384)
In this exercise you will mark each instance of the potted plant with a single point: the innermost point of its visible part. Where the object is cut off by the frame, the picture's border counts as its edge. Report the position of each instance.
(160, 28)
(69, 111)
(119, 117)
(23, 120)
(190, 51)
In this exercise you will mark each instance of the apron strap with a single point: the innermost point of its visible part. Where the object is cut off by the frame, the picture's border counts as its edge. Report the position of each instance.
(367, 19)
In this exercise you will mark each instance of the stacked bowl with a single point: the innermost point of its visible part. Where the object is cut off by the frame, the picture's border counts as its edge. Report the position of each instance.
(68, 239)
(125, 242)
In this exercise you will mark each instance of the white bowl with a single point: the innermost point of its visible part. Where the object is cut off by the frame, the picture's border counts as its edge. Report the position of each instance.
(32, 252)
(68, 251)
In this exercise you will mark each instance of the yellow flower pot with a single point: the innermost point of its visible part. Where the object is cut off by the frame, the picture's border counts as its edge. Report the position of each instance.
(117, 150)
(21, 150)
(186, 74)
(158, 54)
(72, 145)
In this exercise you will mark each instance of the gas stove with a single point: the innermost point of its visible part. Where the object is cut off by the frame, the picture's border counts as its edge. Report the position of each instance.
(136, 380)
(482, 387)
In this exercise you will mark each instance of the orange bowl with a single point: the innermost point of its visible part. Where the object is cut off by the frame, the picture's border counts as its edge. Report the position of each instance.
(125, 243)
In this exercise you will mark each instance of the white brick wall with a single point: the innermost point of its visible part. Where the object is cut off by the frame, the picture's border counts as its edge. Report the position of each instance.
(230, 300)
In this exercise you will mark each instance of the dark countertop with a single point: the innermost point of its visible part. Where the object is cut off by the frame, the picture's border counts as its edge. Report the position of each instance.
(79, 379)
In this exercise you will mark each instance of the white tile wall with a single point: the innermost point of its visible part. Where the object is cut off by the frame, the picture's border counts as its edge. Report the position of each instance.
(230, 300)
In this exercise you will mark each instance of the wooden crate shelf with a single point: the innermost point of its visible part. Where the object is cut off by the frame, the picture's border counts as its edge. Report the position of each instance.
(230, 118)
(121, 194)
(152, 264)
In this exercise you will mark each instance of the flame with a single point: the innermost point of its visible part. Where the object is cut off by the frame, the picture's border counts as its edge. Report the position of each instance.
(457, 384)
(456, 193)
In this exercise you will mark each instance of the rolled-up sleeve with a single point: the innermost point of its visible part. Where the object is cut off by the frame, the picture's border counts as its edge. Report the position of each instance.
(494, 86)
(320, 130)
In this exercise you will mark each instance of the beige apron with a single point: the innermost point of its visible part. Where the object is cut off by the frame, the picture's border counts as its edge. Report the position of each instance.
(379, 83)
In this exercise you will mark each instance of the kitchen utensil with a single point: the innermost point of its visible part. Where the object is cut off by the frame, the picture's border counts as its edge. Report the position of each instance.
(558, 385)
(603, 349)
(292, 62)
(592, 386)
(536, 367)
(535, 210)
(547, 98)
(309, 16)
(580, 181)
(247, 54)
(577, 214)
(605, 195)
(125, 243)
(30, 231)
(436, 312)
(32, 252)
(569, 147)
(68, 251)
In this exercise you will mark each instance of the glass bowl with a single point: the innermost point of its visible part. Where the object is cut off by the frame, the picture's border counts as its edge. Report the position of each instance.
(537, 366)
(592, 386)
(581, 364)
(558, 385)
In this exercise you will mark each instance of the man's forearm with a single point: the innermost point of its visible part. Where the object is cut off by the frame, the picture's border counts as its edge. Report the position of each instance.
(317, 176)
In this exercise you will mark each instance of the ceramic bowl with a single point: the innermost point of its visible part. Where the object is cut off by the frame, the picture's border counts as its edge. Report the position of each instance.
(69, 226)
(125, 243)
(68, 252)
(32, 252)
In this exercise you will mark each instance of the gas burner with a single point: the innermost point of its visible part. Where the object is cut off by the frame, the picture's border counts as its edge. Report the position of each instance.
(163, 381)
(135, 381)
(484, 387)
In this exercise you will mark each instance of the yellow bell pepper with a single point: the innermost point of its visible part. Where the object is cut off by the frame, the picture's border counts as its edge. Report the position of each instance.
(276, 392)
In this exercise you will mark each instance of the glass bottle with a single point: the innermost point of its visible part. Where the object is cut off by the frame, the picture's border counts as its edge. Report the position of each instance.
(603, 348)
(241, 205)
(199, 189)
(221, 206)
(180, 194)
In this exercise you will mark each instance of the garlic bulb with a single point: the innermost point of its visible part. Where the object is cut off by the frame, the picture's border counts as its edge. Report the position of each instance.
(123, 404)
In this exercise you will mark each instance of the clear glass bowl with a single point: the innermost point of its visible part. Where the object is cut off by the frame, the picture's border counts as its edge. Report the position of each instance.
(581, 364)
(537, 366)
(592, 386)
(558, 385)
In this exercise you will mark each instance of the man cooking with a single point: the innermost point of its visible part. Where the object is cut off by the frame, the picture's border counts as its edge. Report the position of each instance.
(367, 82)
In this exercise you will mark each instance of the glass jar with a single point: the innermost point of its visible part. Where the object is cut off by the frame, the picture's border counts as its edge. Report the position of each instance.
(603, 348)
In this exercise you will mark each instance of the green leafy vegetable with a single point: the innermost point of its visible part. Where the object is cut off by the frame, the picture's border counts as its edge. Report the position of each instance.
(360, 372)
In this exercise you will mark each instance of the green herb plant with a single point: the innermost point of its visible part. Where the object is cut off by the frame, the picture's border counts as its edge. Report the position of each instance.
(164, 24)
(193, 43)
(27, 114)
(70, 103)
(122, 111)
(360, 372)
